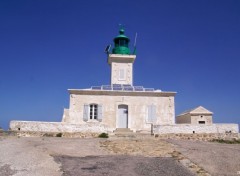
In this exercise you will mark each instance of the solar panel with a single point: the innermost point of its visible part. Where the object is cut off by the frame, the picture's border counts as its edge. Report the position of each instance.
(149, 89)
(128, 88)
(117, 85)
(138, 89)
(107, 88)
(96, 87)
(117, 88)
(122, 87)
(127, 85)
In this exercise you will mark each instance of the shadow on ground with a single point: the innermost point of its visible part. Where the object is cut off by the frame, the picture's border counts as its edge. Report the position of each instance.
(120, 165)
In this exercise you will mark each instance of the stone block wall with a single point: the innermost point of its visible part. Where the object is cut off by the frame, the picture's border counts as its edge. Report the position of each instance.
(200, 136)
(57, 127)
(191, 129)
(206, 118)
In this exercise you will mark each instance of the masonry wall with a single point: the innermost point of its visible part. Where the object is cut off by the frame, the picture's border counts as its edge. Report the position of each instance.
(57, 127)
(127, 67)
(137, 110)
(188, 128)
(196, 118)
(186, 118)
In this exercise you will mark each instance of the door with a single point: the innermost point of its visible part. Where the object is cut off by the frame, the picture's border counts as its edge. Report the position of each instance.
(122, 116)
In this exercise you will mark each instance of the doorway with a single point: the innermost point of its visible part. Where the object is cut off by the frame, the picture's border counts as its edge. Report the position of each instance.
(122, 116)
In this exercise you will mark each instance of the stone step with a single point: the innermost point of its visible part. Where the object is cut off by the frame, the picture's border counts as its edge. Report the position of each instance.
(133, 135)
(128, 133)
(124, 131)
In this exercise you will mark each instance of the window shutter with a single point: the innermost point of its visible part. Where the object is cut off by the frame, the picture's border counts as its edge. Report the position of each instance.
(149, 116)
(85, 112)
(151, 113)
(154, 117)
(100, 112)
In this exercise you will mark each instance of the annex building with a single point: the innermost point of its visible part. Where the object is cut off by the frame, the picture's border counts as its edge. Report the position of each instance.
(123, 105)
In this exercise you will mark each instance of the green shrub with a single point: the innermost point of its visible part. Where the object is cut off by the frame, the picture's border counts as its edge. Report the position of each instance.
(59, 135)
(103, 135)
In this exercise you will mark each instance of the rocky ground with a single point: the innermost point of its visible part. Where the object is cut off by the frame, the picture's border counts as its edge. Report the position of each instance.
(216, 158)
(146, 156)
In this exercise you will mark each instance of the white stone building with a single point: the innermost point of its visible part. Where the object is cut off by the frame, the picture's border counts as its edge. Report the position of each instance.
(124, 105)
(199, 115)
(121, 104)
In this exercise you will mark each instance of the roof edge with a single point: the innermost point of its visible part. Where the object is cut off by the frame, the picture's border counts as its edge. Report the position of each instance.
(120, 93)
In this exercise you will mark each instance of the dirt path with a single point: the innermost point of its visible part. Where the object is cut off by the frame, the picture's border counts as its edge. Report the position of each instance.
(149, 147)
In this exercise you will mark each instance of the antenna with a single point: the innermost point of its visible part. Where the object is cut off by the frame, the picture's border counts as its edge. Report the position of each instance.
(107, 49)
(121, 26)
(135, 43)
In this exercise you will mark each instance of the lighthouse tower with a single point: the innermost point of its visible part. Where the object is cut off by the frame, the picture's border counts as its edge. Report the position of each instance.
(121, 61)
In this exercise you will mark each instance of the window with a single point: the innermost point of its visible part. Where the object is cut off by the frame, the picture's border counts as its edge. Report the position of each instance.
(122, 43)
(201, 122)
(121, 74)
(92, 112)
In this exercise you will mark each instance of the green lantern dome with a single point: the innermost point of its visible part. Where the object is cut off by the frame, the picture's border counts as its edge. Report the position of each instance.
(121, 43)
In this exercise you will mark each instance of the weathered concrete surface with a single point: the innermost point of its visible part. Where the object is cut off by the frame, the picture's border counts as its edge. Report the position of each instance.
(34, 156)
(217, 159)
(121, 165)
(132, 156)
(150, 147)
(24, 157)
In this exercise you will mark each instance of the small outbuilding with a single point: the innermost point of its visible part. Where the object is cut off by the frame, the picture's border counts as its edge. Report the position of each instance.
(198, 115)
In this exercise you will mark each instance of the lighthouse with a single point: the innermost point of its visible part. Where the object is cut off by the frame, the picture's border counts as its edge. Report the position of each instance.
(121, 60)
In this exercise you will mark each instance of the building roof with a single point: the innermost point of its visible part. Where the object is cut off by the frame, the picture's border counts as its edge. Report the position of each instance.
(121, 93)
(197, 110)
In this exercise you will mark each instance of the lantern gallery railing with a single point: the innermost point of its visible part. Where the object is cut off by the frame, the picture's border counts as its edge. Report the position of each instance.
(122, 87)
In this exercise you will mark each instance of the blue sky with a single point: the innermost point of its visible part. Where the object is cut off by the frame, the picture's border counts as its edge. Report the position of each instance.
(47, 47)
